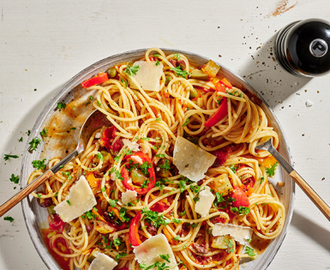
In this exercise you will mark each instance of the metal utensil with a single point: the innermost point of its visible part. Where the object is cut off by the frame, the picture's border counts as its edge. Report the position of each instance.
(310, 192)
(93, 122)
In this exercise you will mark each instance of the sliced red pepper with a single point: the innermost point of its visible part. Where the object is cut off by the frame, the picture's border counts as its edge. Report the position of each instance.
(222, 110)
(159, 207)
(151, 171)
(133, 233)
(107, 137)
(241, 199)
(100, 78)
(222, 155)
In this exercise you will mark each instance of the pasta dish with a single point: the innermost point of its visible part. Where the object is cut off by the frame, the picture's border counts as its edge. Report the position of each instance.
(174, 182)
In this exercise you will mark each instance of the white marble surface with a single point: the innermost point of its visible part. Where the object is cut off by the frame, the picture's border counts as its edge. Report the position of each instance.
(45, 43)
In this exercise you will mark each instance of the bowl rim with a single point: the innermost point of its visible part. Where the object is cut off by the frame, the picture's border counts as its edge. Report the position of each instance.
(89, 71)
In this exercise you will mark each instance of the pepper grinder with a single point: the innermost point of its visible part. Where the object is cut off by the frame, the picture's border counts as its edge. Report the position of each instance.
(302, 47)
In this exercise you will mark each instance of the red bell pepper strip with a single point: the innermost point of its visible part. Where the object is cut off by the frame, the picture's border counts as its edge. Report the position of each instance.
(100, 78)
(151, 174)
(222, 110)
(133, 231)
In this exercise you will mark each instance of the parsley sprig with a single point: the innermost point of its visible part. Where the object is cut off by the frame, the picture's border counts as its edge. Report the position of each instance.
(179, 72)
(131, 70)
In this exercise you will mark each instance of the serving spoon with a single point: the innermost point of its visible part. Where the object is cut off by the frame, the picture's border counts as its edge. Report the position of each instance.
(93, 122)
(310, 192)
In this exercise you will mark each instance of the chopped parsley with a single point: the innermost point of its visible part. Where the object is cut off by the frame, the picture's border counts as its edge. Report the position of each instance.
(67, 174)
(157, 63)
(34, 143)
(271, 171)
(7, 157)
(14, 178)
(131, 70)
(241, 210)
(177, 238)
(113, 203)
(186, 122)
(44, 132)
(69, 203)
(182, 185)
(179, 72)
(249, 251)
(39, 164)
(230, 246)
(120, 255)
(157, 265)
(61, 105)
(166, 166)
(154, 217)
(165, 257)
(20, 139)
(219, 198)
(8, 218)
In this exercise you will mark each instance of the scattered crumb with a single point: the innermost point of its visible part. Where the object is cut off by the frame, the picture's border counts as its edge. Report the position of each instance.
(281, 184)
(308, 104)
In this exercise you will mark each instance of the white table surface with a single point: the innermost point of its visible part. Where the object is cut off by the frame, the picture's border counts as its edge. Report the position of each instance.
(44, 43)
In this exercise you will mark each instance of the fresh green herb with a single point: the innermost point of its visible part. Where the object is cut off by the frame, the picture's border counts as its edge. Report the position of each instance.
(117, 242)
(99, 103)
(145, 166)
(61, 105)
(156, 265)
(182, 185)
(160, 155)
(158, 119)
(120, 255)
(249, 240)
(196, 199)
(131, 70)
(177, 238)
(160, 184)
(44, 132)
(73, 128)
(195, 188)
(20, 139)
(145, 183)
(8, 218)
(233, 168)
(219, 198)
(241, 210)
(14, 178)
(69, 203)
(103, 189)
(67, 174)
(154, 217)
(249, 251)
(99, 156)
(28, 132)
(7, 157)
(157, 63)
(176, 220)
(182, 213)
(166, 166)
(177, 56)
(179, 72)
(165, 257)
(230, 246)
(34, 143)
(186, 122)
(90, 98)
(122, 213)
(157, 55)
(125, 82)
(39, 164)
(113, 203)
(271, 171)
(39, 195)
(262, 179)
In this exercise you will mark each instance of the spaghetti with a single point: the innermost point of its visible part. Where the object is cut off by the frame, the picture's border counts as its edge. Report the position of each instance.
(139, 191)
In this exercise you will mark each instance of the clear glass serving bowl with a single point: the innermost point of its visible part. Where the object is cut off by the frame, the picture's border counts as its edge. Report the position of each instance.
(36, 218)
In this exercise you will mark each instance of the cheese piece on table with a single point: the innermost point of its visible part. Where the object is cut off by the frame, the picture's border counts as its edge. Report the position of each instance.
(241, 234)
(128, 196)
(102, 262)
(148, 252)
(191, 160)
(80, 200)
(203, 205)
(148, 75)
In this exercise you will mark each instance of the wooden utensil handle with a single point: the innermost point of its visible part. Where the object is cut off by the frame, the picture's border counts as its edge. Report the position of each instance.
(24, 192)
(324, 208)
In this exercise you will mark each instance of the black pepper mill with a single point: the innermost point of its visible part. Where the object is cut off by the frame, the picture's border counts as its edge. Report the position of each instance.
(303, 47)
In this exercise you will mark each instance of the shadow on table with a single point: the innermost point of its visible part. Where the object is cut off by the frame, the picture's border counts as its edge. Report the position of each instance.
(311, 229)
(265, 74)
